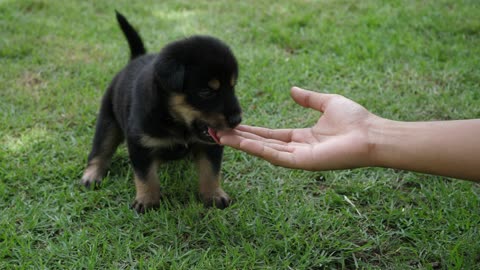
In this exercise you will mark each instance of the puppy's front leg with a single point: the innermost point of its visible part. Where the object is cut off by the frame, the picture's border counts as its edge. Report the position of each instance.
(209, 161)
(146, 181)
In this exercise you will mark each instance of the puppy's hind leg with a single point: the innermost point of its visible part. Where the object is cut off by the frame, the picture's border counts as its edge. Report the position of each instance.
(209, 161)
(108, 136)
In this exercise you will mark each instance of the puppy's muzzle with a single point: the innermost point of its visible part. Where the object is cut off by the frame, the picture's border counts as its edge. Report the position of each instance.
(234, 120)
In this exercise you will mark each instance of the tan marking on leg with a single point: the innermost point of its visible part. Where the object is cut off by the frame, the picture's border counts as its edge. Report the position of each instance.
(211, 191)
(94, 172)
(97, 167)
(147, 190)
(209, 181)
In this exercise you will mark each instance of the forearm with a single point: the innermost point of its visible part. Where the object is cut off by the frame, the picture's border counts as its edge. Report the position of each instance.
(447, 148)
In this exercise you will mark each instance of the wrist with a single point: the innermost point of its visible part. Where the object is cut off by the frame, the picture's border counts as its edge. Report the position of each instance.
(378, 129)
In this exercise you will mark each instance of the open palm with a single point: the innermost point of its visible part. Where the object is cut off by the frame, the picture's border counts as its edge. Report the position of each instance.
(338, 140)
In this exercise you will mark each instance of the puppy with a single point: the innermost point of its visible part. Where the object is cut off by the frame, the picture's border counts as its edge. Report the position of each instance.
(165, 106)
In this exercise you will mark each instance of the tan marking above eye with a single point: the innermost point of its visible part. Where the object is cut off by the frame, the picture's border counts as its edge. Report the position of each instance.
(214, 84)
(233, 81)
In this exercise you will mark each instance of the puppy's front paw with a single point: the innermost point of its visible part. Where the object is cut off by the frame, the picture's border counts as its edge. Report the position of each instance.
(146, 201)
(217, 198)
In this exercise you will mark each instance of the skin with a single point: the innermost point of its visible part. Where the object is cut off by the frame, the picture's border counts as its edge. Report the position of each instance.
(349, 136)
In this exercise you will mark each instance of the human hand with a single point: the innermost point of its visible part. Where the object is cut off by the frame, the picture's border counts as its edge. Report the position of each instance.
(339, 140)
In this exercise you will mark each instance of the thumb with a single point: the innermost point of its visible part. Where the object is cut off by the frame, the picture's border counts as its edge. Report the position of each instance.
(310, 99)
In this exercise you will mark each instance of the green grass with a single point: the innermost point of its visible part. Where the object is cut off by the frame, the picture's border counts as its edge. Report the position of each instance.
(406, 60)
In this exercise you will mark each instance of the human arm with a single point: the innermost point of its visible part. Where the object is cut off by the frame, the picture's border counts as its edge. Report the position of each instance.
(349, 136)
(447, 148)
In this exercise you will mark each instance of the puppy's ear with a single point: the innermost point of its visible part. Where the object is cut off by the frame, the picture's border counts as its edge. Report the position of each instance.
(169, 73)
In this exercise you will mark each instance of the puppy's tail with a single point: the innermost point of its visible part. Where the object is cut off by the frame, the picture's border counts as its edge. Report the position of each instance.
(134, 40)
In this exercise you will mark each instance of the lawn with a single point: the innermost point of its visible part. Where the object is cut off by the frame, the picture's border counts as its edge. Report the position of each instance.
(405, 60)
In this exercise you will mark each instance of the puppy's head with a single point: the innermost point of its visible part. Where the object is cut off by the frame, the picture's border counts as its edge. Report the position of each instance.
(200, 74)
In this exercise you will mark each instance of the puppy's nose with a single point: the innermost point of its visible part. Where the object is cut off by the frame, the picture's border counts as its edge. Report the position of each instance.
(234, 120)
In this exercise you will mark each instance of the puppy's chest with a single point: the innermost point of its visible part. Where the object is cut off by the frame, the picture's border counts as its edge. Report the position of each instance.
(164, 133)
(153, 142)
(166, 139)
(165, 148)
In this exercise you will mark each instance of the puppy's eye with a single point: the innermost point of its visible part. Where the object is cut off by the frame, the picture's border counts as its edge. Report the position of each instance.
(207, 93)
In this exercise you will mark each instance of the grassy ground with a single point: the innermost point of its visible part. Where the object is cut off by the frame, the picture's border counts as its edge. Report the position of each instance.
(406, 60)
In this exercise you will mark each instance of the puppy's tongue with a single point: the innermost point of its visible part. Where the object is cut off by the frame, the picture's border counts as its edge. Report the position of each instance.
(213, 134)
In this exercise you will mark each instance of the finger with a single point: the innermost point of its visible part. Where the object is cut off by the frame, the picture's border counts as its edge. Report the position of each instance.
(248, 135)
(261, 150)
(251, 133)
(278, 158)
(253, 136)
(233, 138)
(310, 99)
(276, 134)
(280, 147)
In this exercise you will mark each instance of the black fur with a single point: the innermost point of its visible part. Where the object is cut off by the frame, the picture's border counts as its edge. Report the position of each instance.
(134, 40)
(163, 104)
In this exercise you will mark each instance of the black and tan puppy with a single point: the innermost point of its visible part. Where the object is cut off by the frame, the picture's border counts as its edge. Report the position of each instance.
(164, 106)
